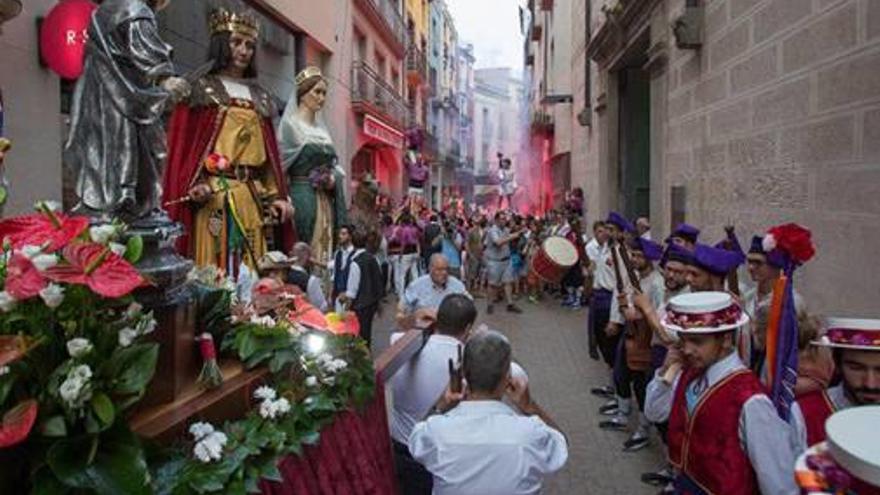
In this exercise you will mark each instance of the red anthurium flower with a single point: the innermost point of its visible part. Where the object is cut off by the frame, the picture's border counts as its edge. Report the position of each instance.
(54, 229)
(23, 280)
(96, 266)
(794, 240)
(13, 348)
(17, 423)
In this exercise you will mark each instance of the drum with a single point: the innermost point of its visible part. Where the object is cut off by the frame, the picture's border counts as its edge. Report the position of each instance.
(556, 256)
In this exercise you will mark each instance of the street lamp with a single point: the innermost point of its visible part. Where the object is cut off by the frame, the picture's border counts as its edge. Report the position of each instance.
(8, 10)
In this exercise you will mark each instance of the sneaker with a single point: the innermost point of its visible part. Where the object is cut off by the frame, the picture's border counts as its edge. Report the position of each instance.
(490, 309)
(512, 308)
(594, 354)
(533, 299)
(618, 423)
(668, 489)
(637, 441)
(576, 306)
(605, 391)
(610, 408)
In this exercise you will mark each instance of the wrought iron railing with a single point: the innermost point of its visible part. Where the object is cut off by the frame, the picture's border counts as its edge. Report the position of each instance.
(370, 89)
(416, 61)
(388, 10)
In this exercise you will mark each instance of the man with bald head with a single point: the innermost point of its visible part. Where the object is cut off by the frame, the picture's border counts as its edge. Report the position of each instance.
(300, 275)
(419, 303)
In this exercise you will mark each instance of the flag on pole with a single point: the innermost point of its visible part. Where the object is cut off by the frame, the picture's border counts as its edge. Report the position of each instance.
(795, 245)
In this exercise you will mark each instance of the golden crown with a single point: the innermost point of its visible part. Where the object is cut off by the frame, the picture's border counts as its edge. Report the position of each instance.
(308, 73)
(223, 21)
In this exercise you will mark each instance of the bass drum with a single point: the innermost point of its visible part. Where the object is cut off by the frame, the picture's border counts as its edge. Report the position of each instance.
(556, 256)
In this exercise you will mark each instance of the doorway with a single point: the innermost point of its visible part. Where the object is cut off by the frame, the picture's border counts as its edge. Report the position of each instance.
(634, 135)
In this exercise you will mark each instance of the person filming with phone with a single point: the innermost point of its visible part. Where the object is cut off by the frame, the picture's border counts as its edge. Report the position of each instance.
(475, 443)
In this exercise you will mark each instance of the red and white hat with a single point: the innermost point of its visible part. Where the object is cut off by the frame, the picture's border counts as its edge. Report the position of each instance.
(851, 333)
(703, 312)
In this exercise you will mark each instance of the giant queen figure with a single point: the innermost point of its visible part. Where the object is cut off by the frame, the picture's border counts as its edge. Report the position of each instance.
(224, 179)
(310, 160)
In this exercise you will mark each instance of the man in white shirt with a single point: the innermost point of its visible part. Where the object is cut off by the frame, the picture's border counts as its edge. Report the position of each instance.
(481, 446)
(300, 275)
(419, 302)
(599, 254)
(417, 385)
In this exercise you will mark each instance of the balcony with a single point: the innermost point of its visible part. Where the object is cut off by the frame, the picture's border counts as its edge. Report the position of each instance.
(386, 17)
(542, 123)
(416, 65)
(371, 94)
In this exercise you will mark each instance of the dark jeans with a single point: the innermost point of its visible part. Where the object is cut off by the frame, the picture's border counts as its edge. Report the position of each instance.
(412, 477)
(628, 381)
(365, 320)
(600, 310)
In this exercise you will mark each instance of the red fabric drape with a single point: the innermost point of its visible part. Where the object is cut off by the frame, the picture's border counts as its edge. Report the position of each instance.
(353, 457)
(192, 133)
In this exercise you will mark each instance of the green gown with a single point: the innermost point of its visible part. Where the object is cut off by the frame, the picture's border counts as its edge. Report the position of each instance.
(304, 196)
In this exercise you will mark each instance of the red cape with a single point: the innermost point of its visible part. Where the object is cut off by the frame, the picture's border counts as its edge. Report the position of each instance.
(192, 134)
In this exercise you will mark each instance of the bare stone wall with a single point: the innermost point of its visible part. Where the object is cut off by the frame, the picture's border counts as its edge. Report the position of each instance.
(777, 118)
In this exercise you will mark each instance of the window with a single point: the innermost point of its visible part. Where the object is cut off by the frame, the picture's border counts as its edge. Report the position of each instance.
(360, 48)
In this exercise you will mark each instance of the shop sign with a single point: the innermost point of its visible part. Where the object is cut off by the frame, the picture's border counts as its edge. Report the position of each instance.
(382, 132)
(63, 36)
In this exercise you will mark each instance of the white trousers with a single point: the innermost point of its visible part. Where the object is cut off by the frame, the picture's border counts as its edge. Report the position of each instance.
(404, 264)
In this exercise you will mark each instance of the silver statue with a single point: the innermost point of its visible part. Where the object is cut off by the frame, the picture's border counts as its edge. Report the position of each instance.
(117, 140)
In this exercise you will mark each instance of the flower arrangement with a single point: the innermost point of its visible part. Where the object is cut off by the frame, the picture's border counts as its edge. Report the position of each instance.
(314, 375)
(72, 355)
(322, 178)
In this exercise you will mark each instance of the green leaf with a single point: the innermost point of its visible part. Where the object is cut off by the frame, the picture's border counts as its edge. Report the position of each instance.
(4, 193)
(118, 465)
(133, 368)
(134, 249)
(54, 427)
(103, 408)
(45, 483)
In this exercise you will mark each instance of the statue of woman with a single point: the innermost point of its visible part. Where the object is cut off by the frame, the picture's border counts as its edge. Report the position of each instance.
(224, 180)
(310, 161)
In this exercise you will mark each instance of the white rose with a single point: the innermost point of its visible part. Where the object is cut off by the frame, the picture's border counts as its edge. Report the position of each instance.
(117, 248)
(102, 233)
(7, 302)
(340, 364)
(202, 453)
(127, 336)
(78, 347)
(70, 389)
(31, 251)
(52, 295)
(267, 409)
(44, 261)
(4, 370)
(265, 393)
(201, 429)
(311, 381)
(210, 448)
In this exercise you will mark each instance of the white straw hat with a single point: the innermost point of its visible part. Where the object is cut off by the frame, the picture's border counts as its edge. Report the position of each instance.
(703, 313)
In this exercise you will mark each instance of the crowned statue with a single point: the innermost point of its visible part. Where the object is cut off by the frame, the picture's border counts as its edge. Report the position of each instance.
(116, 145)
(310, 161)
(224, 179)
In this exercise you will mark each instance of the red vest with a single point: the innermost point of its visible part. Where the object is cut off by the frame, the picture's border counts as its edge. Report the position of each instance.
(705, 445)
(816, 407)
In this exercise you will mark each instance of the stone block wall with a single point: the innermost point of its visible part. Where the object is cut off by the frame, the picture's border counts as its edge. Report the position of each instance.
(777, 118)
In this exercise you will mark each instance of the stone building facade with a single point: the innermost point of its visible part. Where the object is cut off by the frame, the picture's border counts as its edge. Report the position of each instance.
(770, 114)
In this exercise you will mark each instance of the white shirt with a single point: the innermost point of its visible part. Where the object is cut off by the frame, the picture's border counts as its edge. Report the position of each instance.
(418, 384)
(353, 286)
(768, 441)
(314, 290)
(603, 275)
(486, 448)
(654, 286)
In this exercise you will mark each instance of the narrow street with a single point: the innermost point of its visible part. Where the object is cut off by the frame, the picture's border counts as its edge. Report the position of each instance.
(550, 342)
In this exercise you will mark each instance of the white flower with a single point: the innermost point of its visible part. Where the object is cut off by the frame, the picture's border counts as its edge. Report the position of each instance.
(200, 430)
(339, 364)
(323, 359)
(102, 233)
(70, 389)
(210, 448)
(768, 243)
(7, 302)
(52, 295)
(265, 393)
(78, 347)
(82, 372)
(147, 325)
(283, 406)
(4, 370)
(264, 321)
(30, 251)
(117, 248)
(329, 380)
(127, 336)
(44, 261)
(311, 381)
(133, 310)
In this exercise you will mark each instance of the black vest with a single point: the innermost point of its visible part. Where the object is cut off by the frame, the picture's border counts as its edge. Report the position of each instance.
(299, 278)
(371, 286)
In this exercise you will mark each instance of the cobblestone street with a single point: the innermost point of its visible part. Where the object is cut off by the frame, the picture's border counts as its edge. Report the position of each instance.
(550, 342)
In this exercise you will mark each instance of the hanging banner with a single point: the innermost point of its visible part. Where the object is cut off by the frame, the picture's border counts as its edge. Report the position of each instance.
(382, 132)
(63, 36)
